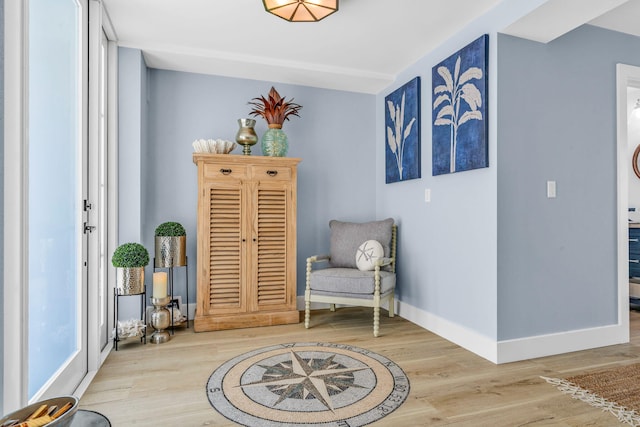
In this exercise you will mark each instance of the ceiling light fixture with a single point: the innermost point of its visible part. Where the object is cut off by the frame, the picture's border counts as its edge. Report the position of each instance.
(301, 10)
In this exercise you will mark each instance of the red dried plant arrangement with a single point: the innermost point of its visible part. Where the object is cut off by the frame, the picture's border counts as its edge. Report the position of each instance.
(274, 109)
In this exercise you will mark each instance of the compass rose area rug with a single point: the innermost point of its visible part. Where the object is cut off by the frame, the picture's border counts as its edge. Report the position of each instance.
(307, 384)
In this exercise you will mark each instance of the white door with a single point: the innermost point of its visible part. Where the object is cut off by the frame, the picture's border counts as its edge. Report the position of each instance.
(57, 190)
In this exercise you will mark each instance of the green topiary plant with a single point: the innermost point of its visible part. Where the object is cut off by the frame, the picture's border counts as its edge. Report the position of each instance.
(170, 229)
(130, 255)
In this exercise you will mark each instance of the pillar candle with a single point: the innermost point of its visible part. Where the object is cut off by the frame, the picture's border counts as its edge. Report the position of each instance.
(160, 285)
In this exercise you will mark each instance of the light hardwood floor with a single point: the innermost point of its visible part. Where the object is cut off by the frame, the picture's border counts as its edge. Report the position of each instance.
(164, 385)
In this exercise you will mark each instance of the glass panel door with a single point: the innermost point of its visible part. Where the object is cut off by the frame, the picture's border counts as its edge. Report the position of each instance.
(57, 358)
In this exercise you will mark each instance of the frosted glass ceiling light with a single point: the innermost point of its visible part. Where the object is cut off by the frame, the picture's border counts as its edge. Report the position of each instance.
(301, 10)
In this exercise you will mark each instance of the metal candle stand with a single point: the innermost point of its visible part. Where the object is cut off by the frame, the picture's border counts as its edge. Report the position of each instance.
(160, 320)
(170, 290)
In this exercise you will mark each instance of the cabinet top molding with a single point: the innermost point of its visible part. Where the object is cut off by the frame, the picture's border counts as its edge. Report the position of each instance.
(245, 160)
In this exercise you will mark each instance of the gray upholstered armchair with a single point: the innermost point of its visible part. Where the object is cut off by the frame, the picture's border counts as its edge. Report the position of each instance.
(360, 269)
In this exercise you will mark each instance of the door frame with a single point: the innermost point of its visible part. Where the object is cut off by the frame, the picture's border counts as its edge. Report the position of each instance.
(15, 207)
(99, 22)
(626, 75)
(14, 369)
(16, 188)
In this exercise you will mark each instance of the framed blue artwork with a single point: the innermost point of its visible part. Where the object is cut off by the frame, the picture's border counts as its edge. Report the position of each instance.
(460, 125)
(402, 120)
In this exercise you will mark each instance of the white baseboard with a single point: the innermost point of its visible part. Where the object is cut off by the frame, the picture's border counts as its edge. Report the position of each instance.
(84, 384)
(517, 349)
(470, 340)
(191, 309)
(507, 350)
(559, 343)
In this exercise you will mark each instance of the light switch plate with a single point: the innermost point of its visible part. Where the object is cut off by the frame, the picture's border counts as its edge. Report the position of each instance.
(427, 195)
(551, 189)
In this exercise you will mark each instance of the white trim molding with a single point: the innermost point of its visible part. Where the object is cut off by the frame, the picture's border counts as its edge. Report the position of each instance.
(561, 342)
(517, 349)
(626, 75)
(507, 351)
(472, 341)
(112, 174)
(15, 206)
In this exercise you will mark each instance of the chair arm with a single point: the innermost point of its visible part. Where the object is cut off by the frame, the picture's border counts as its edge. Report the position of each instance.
(381, 262)
(318, 258)
(310, 261)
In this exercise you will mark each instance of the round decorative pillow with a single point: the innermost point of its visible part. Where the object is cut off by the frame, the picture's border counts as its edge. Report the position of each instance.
(367, 254)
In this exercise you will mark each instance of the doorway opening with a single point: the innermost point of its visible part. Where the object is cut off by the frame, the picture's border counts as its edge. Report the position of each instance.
(628, 129)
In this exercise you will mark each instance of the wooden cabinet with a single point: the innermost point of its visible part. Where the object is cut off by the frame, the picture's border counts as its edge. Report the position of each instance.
(246, 261)
(634, 250)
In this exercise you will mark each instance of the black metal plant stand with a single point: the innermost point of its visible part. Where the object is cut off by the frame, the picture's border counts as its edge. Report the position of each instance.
(143, 316)
(171, 292)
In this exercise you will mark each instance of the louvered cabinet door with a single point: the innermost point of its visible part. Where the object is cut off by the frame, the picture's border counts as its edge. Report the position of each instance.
(271, 282)
(246, 241)
(224, 263)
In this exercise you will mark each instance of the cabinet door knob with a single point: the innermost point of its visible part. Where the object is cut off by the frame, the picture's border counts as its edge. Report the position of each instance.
(225, 171)
(272, 173)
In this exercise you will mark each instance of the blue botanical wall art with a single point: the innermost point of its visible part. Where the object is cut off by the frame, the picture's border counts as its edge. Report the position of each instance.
(402, 119)
(460, 125)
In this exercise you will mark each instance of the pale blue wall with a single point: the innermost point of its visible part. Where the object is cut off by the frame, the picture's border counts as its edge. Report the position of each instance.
(132, 73)
(132, 135)
(334, 137)
(447, 253)
(456, 253)
(1, 201)
(557, 258)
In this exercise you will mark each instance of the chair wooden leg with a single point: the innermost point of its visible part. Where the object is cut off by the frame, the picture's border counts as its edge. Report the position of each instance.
(392, 306)
(376, 320)
(307, 311)
(307, 295)
(332, 307)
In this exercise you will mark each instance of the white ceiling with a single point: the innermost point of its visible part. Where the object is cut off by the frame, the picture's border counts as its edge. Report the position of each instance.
(360, 48)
